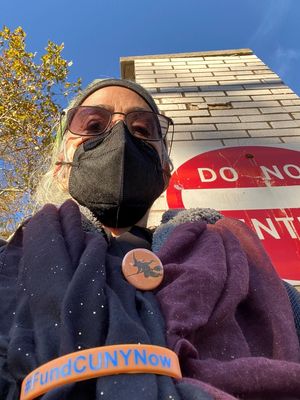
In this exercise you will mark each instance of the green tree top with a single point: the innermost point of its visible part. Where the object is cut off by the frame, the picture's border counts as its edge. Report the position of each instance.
(31, 91)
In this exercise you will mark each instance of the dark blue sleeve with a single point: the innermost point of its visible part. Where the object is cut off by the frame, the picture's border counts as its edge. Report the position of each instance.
(10, 253)
(294, 297)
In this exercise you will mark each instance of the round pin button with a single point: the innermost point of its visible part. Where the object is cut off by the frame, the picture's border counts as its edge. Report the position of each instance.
(142, 269)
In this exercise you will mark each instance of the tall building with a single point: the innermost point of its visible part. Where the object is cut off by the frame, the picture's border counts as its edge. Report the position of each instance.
(236, 142)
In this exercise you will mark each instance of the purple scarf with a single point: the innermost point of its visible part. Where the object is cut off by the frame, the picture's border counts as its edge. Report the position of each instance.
(227, 313)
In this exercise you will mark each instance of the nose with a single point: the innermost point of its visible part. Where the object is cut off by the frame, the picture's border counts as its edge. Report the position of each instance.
(116, 117)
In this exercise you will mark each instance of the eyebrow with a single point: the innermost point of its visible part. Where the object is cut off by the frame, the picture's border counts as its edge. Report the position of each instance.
(110, 108)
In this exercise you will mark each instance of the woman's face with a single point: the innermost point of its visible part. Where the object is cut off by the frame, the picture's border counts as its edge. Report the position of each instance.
(115, 99)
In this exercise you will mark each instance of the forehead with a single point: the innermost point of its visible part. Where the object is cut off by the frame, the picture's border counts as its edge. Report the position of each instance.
(117, 98)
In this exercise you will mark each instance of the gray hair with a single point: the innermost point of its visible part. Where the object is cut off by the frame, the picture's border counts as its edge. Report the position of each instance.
(50, 188)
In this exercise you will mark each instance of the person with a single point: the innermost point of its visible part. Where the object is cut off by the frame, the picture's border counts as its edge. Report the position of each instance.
(220, 307)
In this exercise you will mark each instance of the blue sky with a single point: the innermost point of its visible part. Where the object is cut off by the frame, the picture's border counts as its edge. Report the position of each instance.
(96, 33)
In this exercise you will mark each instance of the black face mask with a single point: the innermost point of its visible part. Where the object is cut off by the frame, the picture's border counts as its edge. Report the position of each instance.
(117, 177)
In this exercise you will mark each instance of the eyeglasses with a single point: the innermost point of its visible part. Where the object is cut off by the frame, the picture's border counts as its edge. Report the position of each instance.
(96, 121)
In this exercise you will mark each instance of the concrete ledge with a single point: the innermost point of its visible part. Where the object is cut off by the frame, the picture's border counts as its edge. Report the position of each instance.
(127, 63)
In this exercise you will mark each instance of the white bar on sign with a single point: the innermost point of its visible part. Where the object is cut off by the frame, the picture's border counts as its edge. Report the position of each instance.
(243, 198)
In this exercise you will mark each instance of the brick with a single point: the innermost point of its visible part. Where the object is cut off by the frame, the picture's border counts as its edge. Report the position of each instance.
(159, 67)
(185, 135)
(227, 99)
(257, 104)
(179, 80)
(182, 120)
(161, 84)
(206, 142)
(182, 71)
(260, 86)
(207, 58)
(241, 82)
(181, 68)
(207, 81)
(195, 64)
(216, 66)
(144, 76)
(214, 120)
(283, 90)
(251, 141)
(285, 124)
(266, 72)
(258, 76)
(193, 75)
(272, 80)
(254, 62)
(250, 57)
(244, 125)
(169, 63)
(142, 63)
(196, 100)
(239, 57)
(247, 92)
(240, 65)
(188, 100)
(166, 107)
(219, 134)
(276, 97)
(194, 127)
(274, 110)
(185, 58)
(144, 81)
(211, 70)
(238, 111)
(231, 78)
(238, 60)
(292, 108)
(296, 115)
(185, 113)
(290, 102)
(215, 79)
(189, 113)
(266, 117)
(164, 75)
(291, 139)
(206, 94)
(275, 132)
(179, 89)
(223, 87)
(247, 68)
(163, 95)
(199, 69)
(213, 62)
(231, 73)
(138, 68)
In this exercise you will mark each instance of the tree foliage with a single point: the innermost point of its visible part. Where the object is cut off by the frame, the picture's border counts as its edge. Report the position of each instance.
(31, 91)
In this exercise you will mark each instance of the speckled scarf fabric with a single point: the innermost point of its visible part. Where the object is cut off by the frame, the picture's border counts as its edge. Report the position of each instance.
(62, 290)
(221, 308)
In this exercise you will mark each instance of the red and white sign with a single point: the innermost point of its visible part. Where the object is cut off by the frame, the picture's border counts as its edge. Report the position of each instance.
(257, 184)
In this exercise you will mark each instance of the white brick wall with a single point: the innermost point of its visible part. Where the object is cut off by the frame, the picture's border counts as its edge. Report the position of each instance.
(226, 100)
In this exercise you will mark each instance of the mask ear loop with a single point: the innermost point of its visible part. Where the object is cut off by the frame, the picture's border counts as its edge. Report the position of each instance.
(171, 141)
